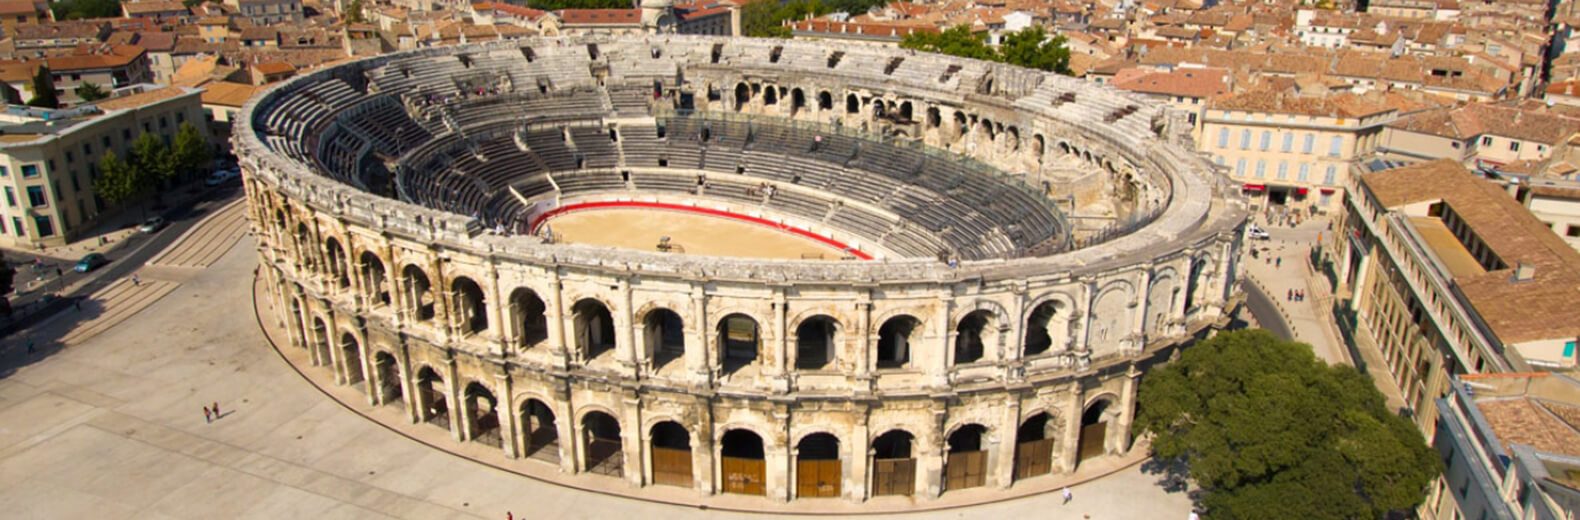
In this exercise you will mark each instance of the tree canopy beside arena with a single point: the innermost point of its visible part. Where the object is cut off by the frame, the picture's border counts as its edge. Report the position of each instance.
(1269, 431)
(1030, 47)
(765, 18)
(555, 5)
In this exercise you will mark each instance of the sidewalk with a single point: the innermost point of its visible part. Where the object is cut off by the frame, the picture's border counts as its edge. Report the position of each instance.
(1282, 267)
(116, 229)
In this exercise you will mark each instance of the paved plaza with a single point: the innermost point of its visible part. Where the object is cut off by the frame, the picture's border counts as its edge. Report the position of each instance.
(104, 420)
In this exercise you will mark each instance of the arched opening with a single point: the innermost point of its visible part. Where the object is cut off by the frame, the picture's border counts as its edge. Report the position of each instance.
(527, 313)
(470, 309)
(602, 434)
(966, 464)
(1198, 270)
(970, 337)
(373, 279)
(482, 414)
(432, 406)
(1013, 138)
(1047, 323)
(337, 263)
(960, 123)
(1034, 447)
(543, 437)
(742, 464)
(894, 341)
(906, 112)
(320, 342)
(594, 328)
(814, 342)
(671, 453)
(666, 336)
(389, 383)
(934, 118)
(797, 101)
(825, 101)
(817, 468)
(296, 322)
(304, 247)
(351, 354)
(1039, 146)
(1160, 304)
(738, 341)
(771, 96)
(419, 297)
(1094, 429)
(852, 104)
(743, 95)
(893, 464)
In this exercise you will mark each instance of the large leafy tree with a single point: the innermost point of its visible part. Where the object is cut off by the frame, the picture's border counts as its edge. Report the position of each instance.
(955, 41)
(1269, 431)
(188, 150)
(44, 90)
(151, 158)
(1032, 48)
(118, 180)
(765, 18)
(90, 92)
(82, 9)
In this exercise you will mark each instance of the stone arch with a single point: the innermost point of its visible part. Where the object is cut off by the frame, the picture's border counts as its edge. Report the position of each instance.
(351, 353)
(1200, 271)
(528, 314)
(542, 435)
(418, 292)
(771, 95)
(934, 118)
(977, 331)
(335, 257)
(482, 413)
(816, 341)
(906, 111)
(825, 100)
(1048, 325)
(965, 459)
(1039, 146)
(374, 278)
(852, 104)
(1099, 424)
(743, 96)
(960, 123)
(897, 337)
(603, 446)
(797, 101)
(432, 405)
(1160, 301)
(894, 462)
(318, 338)
(664, 334)
(469, 305)
(1111, 318)
(742, 457)
(386, 373)
(739, 339)
(304, 247)
(593, 324)
(819, 472)
(670, 448)
(1012, 136)
(1034, 440)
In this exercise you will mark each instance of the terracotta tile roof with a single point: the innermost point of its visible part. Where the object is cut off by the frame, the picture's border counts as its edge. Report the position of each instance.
(17, 7)
(599, 16)
(141, 99)
(71, 29)
(152, 6)
(1343, 105)
(525, 12)
(1480, 119)
(1189, 82)
(271, 68)
(225, 93)
(1523, 421)
(1517, 312)
(123, 55)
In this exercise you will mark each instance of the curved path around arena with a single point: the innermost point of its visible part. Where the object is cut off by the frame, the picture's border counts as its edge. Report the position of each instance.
(110, 425)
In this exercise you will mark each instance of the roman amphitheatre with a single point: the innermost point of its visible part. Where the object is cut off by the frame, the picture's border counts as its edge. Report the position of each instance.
(712, 267)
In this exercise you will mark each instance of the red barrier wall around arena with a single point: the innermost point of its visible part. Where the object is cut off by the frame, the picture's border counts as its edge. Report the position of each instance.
(704, 211)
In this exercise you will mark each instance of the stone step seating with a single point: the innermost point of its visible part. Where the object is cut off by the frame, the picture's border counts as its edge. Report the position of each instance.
(382, 119)
(505, 163)
(641, 145)
(340, 154)
(682, 145)
(584, 181)
(595, 147)
(419, 75)
(631, 101)
(550, 146)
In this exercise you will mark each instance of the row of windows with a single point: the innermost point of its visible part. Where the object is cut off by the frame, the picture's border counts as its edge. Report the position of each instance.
(1287, 142)
(1514, 146)
(1329, 177)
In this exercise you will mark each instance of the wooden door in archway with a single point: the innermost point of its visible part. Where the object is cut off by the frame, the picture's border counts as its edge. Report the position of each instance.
(965, 469)
(744, 476)
(1033, 458)
(893, 477)
(1092, 436)
(817, 478)
(672, 467)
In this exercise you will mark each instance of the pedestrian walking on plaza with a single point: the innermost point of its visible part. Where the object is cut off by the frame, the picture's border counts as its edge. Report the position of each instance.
(1290, 296)
(1068, 495)
(136, 282)
(509, 516)
(1279, 262)
(207, 417)
(216, 409)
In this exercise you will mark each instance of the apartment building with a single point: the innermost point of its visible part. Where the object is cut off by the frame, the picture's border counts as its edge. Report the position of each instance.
(1443, 274)
(111, 67)
(49, 158)
(14, 13)
(1294, 152)
(1510, 445)
(1185, 88)
(268, 12)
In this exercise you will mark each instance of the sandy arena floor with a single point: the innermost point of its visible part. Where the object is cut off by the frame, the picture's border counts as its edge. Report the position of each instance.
(695, 234)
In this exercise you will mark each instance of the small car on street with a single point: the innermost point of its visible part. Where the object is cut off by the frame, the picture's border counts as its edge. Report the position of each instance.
(91, 262)
(152, 225)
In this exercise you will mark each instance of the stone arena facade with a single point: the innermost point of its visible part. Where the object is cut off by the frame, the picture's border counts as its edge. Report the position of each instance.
(994, 362)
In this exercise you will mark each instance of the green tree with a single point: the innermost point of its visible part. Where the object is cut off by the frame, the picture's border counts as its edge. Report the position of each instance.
(188, 150)
(955, 41)
(765, 18)
(353, 12)
(83, 9)
(1269, 431)
(44, 90)
(152, 159)
(1032, 48)
(191, 3)
(90, 92)
(118, 181)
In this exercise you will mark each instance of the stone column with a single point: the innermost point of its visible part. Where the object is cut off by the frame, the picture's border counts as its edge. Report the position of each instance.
(1119, 440)
(452, 382)
(703, 467)
(943, 357)
(509, 431)
(625, 337)
(568, 430)
(859, 456)
(930, 455)
(1069, 447)
(1002, 453)
(778, 458)
(498, 329)
(408, 381)
(556, 320)
(631, 445)
(866, 347)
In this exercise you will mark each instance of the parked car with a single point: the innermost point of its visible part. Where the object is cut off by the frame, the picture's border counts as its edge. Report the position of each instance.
(152, 224)
(221, 177)
(91, 262)
(1256, 233)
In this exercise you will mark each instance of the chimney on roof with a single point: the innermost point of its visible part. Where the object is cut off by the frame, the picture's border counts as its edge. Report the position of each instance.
(1524, 272)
